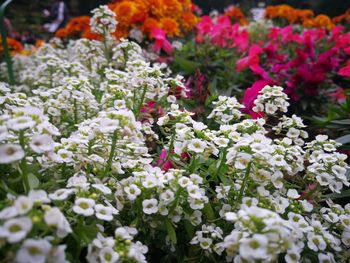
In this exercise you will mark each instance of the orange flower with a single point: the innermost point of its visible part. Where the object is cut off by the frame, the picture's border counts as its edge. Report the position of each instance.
(149, 24)
(188, 20)
(125, 11)
(323, 21)
(170, 26)
(61, 33)
(236, 15)
(121, 32)
(14, 46)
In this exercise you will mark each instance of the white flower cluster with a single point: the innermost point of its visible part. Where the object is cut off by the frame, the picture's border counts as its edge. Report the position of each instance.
(327, 166)
(119, 248)
(259, 234)
(103, 20)
(292, 127)
(123, 174)
(271, 100)
(226, 109)
(23, 217)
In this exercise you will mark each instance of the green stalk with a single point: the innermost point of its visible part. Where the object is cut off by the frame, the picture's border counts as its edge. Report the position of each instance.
(75, 112)
(244, 183)
(23, 164)
(105, 46)
(111, 154)
(138, 109)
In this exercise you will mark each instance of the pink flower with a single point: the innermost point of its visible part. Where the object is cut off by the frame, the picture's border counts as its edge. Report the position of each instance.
(251, 94)
(338, 94)
(345, 71)
(251, 59)
(161, 41)
(163, 163)
(205, 26)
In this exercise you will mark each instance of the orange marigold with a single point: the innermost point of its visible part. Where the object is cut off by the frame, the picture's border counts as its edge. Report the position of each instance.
(188, 20)
(170, 26)
(149, 24)
(14, 46)
(125, 11)
(323, 21)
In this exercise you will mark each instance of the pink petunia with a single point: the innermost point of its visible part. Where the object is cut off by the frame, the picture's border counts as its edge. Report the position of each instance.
(161, 41)
(345, 71)
(251, 94)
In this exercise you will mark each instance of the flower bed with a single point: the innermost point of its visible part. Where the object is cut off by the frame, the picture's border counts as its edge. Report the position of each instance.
(102, 163)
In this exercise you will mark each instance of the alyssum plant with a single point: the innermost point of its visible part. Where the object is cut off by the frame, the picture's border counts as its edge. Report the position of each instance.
(100, 163)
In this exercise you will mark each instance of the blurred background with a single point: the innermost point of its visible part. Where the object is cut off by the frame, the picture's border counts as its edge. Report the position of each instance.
(28, 14)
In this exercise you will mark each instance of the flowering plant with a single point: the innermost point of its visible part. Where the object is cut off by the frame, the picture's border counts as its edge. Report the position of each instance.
(101, 162)
(231, 58)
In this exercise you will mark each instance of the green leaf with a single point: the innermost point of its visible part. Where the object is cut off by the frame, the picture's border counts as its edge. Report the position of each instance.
(209, 212)
(187, 65)
(342, 122)
(171, 231)
(33, 181)
(86, 233)
(343, 139)
(334, 196)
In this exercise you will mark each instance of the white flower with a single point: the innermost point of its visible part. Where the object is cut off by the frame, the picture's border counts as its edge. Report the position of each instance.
(345, 237)
(205, 243)
(84, 206)
(132, 191)
(292, 193)
(104, 212)
(8, 212)
(10, 153)
(102, 188)
(33, 251)
(196, 145)
(41, 143)
(254, 247)
(108, 255)
(39, 196)
(23, 204)
(242, 160)
(326, 258)
(16, 229)
(61, 194)
(150, 206)
(184, 181)
(270, 108)
(293, 133)
(54, 217)
(316, 242)
(126, 233)
(167, 196)
(194, 191)
(108, 125)
(20, 123)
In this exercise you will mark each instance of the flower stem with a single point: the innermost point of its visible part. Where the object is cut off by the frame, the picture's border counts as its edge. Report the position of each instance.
(139, 106)
(23, 164)
(111, 154)
(244, 183)
(75, 112)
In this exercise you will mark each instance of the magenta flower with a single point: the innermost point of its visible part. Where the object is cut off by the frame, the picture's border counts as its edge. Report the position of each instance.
(251, 94)
(161, 41)
(164, 164)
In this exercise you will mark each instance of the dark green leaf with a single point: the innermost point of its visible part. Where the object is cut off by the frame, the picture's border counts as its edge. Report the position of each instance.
(171, 231)
(187, 65)
(344, 139)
